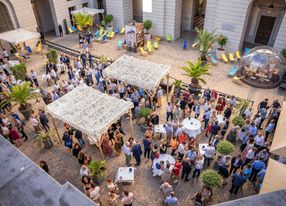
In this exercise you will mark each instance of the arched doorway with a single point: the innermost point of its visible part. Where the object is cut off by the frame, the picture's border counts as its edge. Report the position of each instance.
(6, 23)
(263, 22)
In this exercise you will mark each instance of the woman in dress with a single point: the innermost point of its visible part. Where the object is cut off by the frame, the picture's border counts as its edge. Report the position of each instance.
(220, 105)
(118, 142)
(112, 199)
(106, 148)
(111, 186)
(177, 167)
(154, 152)
(86, 181)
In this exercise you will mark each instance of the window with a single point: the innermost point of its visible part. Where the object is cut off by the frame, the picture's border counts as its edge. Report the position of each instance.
(147, 6)
(85, 5)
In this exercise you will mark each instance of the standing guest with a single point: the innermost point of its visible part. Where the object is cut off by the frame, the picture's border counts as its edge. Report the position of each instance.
(187, 168)
(166, 189)
(111, 186)
(20, 127)
(174, 145)
(250, 155)
(247, 171)
(14, 136)
(199, 166)
(113, 199)
(209, 153)
(223, 171)
(197, 110)
(198, 199)
(232, 101)
(78, 136)
(154, 118)
(166, 175)
(75, 150)
(35, 122)
(177, 112)
(147, 147)
(224, 128)
(169, 110)
(118, 142)
(247, 113)
(171, 200)
(127, 199)
(215, 129)
(94, 193)
(259, 140)
(183, 103)
(44, 166)
(137, 152)
(127, 153)
(159, 97)
(238, 181)
(220, 105)
(86, 181)
(44, 120)
(106, 148)
(270, 128)
(257, 166)
(181, 150)
(263, 104)
(177, 167)
(60, 30)
(154, 152)
(34, 78)
(227, 112)
(67, 140)
(206, 117)
(252, 129)
(236, 163)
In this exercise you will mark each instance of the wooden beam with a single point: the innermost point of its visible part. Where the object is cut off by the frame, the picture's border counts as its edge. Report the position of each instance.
(168, 78)
(56, 128)
(131, 123)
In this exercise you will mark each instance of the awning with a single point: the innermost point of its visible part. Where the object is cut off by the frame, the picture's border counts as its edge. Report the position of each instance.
(18, 36)
(89, 110)
(90, 11)
(137, 72)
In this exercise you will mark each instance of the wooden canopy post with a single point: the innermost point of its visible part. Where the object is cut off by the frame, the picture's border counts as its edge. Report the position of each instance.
(168, 78)
(131, 123)
(98, 144)
(57, 131)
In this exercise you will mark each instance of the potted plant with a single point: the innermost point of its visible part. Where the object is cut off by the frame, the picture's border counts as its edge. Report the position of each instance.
(85, 21)
(222, 40)
(238, 121)
(44, 139)
(211, 178)
(196, 71)
(19, 71)
(177, 87)
(144, 113)
(52, 56)
(283, 52)
(147, 27)
(225, 147)
(21, 94)
(108, 19)
(97, 170)
(204, 41)
(242, 106)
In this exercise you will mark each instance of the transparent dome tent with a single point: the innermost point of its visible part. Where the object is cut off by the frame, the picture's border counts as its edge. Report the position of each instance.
(262, 67)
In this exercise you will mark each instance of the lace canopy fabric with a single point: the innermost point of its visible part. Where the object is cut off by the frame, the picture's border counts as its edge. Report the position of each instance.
(89, 110)
(18, 36)
(137, 72)
(90, 11)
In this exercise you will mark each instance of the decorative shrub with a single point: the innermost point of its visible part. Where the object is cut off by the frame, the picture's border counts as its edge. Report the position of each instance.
(108, 19)
(238, 121)
(96, 167)
(19, 71)
(283, 52)
(144, 112)
(147, 25)
(222, 40)
(225, 147)
(211, 178)
(52, 56)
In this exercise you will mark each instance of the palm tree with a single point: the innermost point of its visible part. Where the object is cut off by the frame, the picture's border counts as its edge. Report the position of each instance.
(196, 71)
(204, 41)
(85, 21)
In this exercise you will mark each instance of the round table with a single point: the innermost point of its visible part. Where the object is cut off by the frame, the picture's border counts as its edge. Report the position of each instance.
(221, 119)
(192, 127)
(164, 158)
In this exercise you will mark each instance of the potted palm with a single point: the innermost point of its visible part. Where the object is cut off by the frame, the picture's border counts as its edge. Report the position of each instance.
(222, 40)
(147, 27)
(97, 170)
(108, 19)
(19, 71)
(21, 94)
(242, 106)
(204, 41)
(196, 71)
(52, 56)
(144, 113)
(44, 139)
(85, 21)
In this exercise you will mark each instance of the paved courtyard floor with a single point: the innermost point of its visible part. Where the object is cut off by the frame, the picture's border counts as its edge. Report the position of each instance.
(63, 167)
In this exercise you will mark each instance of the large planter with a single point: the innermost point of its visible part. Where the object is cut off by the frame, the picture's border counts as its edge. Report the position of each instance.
(98, 178)
(48, 144)
(147, 36)
(219, 52)
(26, 112)
(109, 28)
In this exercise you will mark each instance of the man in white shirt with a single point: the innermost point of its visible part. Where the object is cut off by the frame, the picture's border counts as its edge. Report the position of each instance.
(250, 155)
(259, 140)
(248, 113)
(34, 78)
(181, 150)
(94, 193)
(127, 153)
(70, 87)
(209, 153)
(159, 96)
(54, 75)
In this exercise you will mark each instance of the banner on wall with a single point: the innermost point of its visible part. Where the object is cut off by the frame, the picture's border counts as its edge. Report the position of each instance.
(134, 34)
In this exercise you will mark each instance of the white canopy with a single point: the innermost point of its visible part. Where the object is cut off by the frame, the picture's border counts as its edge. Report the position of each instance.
(90, 11)
(18, 36)
(137, 72)
(89, 110)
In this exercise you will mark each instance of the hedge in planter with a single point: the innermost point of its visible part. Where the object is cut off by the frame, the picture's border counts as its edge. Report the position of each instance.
(225, 147)
(238, 121)
(147, 25)
(211, 178)
(144, 112)
(108, 19)
(222, 41)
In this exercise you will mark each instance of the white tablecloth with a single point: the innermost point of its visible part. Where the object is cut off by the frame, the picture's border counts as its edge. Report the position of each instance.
(159, 129)
(221, 119)
(192, 127)
(125, 174)
(201, 151)
(164, 158)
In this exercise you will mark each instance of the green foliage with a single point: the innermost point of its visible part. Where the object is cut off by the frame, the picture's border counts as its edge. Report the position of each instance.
(178, 83)
(204, 41)
(108, 19)
(238, 121)
(222, 40)
(52, 56)
(283, 52)
(144, 112)
(20, 94)
(242, 105)
(225, 147)
(42, 136)
(211, 178)
(196, 71)
(147, 25)
(96, 167)
(85, 21)
(19, 71)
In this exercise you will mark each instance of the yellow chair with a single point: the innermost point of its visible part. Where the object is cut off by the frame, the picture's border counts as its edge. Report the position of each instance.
(122, 31)
(40, 48)
(20, 58)
(236, 80)
(99, 38)
(231, 57)
(101, 31)
(70, 30)
(111, 35)
(237, 53)
(149, 47)
(79, 28)
(224, 58)
(156, 45)
(143, 52)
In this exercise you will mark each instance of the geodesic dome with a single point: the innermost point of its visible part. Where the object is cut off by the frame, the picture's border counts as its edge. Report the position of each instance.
(263, 67)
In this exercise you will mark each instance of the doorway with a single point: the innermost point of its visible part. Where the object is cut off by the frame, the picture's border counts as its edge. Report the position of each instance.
(6, 23)
(70, 14)
(264, 30)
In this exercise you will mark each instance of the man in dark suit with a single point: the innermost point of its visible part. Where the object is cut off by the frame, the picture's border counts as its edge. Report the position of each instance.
(187, 168)
(137, 152)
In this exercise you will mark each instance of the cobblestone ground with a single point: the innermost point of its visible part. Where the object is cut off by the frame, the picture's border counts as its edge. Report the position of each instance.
(63, 167)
